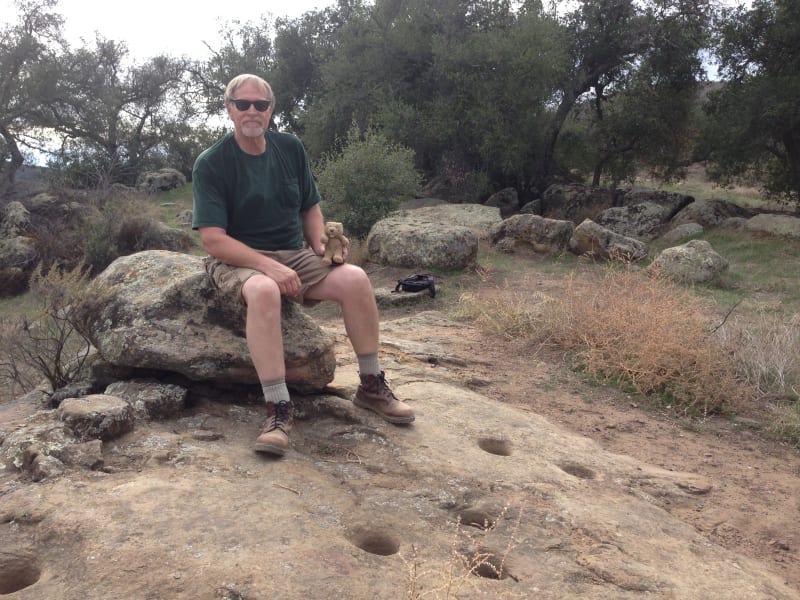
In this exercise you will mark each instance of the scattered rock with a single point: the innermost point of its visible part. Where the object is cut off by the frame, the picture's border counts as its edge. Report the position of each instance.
(150, 399)
(710, 213)
(97, 416)
(507, 200)
(160, 181)
(778, 225)
(411, 240)
(681, 232)
(593, 240)
(519, 232)
(693, 262)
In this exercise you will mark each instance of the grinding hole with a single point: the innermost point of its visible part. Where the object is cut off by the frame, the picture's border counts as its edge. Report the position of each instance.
(487, 565)
(474, 517)
(375, 542)
(578, 471)
(17, 572)
(495, 446)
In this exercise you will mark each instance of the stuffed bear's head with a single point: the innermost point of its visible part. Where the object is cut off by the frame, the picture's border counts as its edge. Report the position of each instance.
(334, 229)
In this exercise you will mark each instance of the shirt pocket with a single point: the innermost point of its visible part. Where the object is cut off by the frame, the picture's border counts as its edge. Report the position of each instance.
(289, 195)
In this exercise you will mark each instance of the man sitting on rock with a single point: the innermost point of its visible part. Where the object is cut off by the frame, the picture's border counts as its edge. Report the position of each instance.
(255, 202)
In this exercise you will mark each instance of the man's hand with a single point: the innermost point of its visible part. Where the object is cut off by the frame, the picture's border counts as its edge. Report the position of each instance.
(288, 280)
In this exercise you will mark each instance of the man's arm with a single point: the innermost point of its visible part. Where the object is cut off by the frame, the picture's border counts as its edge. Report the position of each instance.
(233, 252)
(313, 228)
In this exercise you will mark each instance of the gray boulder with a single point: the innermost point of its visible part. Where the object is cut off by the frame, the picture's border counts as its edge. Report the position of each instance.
(157, 310)
(780, 225)
(475, 217)
(97, 416)
(710, 213)
(683, 231)
(507, 200)
(150, 399)
(575, 202)
(593, 240)
(162, 180)
(412, 240)
(673, 202)
(693, 262)
(533, 232)
(641, 221)
(15, 220)
(18, 252)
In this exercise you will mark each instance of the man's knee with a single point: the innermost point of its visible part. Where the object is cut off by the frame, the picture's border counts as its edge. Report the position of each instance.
(261, 292)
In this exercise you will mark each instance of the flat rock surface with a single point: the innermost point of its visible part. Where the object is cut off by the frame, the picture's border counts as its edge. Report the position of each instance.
(362, 509)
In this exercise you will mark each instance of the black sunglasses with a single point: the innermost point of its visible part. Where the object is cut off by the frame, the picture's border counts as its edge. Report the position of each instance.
(243, 105)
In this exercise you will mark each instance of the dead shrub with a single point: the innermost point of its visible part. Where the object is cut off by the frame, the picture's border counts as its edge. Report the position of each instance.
(45, 343)
(639, 331)
(767, 353)
(470, 563)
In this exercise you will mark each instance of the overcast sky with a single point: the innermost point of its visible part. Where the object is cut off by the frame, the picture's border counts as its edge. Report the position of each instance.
(151, 27)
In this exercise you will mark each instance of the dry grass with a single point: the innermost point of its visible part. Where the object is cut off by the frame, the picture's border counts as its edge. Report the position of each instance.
(469, 564)
(641, 332)
(766, 351)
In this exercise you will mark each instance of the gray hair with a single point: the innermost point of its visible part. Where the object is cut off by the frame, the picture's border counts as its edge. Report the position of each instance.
(240, 80)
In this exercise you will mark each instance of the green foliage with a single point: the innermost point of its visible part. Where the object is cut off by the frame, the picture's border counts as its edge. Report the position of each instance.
(27, 46)
(753, 130)
(126, 226)
(365, 180)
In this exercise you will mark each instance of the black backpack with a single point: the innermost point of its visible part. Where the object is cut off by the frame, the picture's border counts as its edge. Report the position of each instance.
(417, 283)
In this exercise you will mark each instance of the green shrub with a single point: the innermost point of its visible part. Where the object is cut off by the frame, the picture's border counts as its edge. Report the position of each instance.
(126, 226)
(365, 180)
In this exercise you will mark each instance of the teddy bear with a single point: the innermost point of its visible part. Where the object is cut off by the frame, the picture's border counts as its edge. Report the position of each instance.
(335, 243)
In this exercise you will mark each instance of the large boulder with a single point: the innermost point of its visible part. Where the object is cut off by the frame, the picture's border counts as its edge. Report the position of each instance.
(642, 221)
(693, 262)
(162, 180)
(643, 213)
(596, 241)
(780, 225)
(673, 202)
(15, 220)
(157, 310)
(520, 232)
(18, 252)
(476, 217)
(575, 202)
(411, 240)
(710, 213)
(683, 231)
(507, 200)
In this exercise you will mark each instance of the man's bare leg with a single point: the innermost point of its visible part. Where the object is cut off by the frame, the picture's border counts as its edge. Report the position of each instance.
(265, 342)
(349, 286)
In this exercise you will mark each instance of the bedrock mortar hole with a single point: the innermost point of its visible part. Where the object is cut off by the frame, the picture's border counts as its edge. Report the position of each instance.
(495, 446)
(375, 541)
(17, 572)
(578, 471)
(489, 565)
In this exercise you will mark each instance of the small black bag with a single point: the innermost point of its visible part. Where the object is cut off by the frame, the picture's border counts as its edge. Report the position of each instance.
(417, 283)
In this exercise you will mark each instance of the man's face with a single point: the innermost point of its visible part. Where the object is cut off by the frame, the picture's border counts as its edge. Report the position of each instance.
(250, 123)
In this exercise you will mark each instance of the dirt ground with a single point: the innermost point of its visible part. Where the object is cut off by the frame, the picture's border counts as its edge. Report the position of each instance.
(755, 504)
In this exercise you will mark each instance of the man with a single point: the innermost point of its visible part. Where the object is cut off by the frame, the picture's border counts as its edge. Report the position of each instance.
(255, 203)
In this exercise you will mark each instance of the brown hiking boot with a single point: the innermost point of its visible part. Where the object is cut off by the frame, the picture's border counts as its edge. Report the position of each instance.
(374, 394)
(274, 438)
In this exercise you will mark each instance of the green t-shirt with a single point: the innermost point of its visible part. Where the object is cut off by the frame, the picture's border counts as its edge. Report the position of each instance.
(255, 199)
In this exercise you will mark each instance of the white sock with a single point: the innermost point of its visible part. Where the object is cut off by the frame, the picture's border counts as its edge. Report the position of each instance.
(276, 391)
(368, 364)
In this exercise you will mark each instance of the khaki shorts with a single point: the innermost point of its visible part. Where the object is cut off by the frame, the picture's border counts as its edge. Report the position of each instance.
(308, 265)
